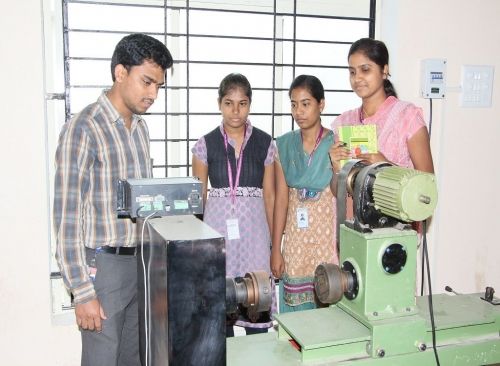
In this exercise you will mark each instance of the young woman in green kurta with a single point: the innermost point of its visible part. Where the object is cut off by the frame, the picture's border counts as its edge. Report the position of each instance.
(304, 205)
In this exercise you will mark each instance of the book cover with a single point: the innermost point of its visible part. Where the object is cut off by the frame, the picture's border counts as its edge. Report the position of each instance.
(360, 139)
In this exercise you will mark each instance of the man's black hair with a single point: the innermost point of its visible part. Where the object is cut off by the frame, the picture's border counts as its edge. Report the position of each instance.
(136, 48)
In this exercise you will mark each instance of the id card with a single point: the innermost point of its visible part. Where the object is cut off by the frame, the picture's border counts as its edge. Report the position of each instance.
(302, 218)
(233, 229)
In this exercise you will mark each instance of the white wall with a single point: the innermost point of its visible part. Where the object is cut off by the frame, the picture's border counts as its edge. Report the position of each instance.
(464, 247)
(27, 336)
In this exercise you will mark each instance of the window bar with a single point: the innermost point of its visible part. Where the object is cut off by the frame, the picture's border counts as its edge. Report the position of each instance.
(67, 101)
(371, 31)
(113, 3)
(174, 34)
(273, 92)
(187, 85)
(165, 14)
(294, 47)
(322, 66)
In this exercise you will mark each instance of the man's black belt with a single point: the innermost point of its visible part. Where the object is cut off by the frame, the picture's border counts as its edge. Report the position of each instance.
(118, 250)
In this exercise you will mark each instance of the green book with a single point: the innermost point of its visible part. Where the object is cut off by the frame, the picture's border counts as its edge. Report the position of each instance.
(360, 139)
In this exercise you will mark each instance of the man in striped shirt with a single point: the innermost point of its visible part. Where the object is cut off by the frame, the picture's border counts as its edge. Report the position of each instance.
(105, 142)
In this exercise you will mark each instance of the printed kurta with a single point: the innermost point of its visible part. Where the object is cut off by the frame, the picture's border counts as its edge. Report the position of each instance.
(304, 249)
(396, 122)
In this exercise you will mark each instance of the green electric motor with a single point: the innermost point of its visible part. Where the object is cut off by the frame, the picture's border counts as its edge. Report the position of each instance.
(405, 194)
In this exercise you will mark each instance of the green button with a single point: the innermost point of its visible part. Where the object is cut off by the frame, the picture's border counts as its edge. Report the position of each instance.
(145, 207)
(158, 206)
(181, 204)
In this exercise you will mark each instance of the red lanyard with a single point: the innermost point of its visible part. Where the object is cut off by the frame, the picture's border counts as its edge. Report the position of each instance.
(233, 185)
(318, 140)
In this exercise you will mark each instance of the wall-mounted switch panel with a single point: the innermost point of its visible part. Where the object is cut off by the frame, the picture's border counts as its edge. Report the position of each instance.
(477, 86)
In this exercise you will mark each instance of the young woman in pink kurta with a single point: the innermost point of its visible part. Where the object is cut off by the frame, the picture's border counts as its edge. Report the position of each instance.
(401, 130)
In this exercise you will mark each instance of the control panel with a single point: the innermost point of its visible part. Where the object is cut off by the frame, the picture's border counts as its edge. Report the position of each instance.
(159, 196)
(433, 78)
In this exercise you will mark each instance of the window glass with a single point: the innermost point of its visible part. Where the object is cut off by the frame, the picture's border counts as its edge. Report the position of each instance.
(231, 24)
(200, 125)
(230, 50)
(104, 17)
(210, 75)
(156, 127)
(100, 75)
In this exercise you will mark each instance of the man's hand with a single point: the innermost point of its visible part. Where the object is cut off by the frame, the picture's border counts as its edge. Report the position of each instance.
(89, 315)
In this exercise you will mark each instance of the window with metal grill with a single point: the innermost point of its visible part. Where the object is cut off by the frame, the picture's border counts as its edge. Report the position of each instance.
(269, 41)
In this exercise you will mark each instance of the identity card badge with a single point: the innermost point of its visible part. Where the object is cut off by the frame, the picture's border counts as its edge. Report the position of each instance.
(233, 229)
(302, 218)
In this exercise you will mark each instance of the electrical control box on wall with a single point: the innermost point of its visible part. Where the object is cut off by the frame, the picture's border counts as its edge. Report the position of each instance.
(433, 78)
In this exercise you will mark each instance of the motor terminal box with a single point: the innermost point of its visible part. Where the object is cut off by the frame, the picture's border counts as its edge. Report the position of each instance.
(161, 196)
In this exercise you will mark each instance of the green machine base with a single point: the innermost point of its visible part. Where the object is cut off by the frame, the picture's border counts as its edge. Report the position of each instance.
(467, 333)
(382, 323)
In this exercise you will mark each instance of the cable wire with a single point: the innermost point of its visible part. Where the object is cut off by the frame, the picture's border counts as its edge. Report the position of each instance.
(422, 282)
(431, 306)
(146, 290)
(430, 117)
(425, 263)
